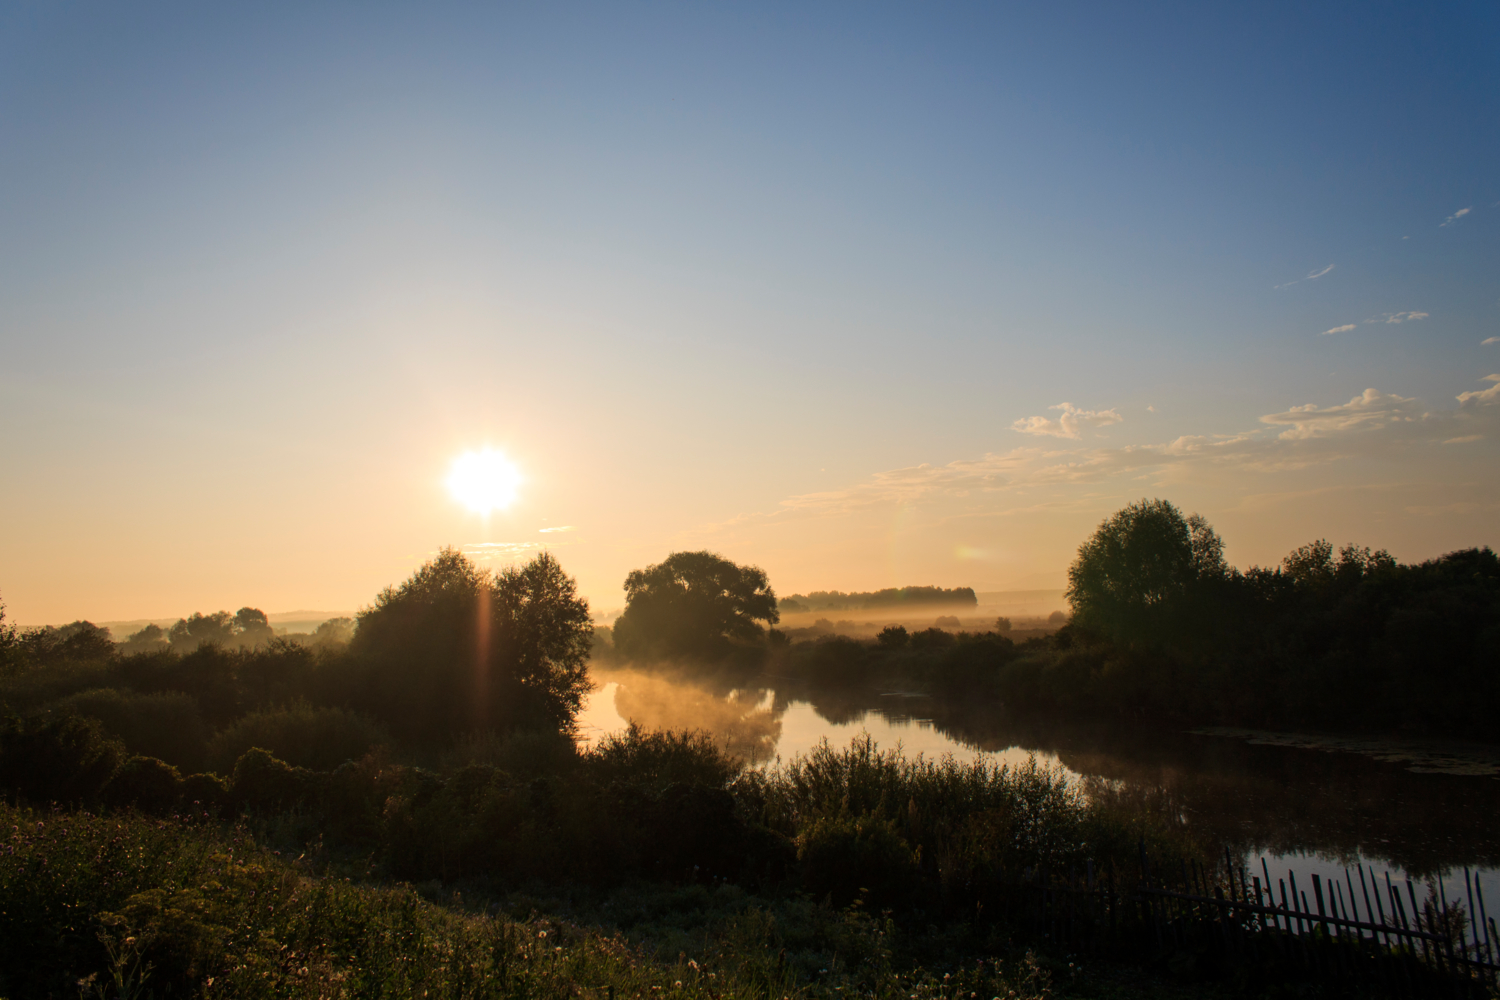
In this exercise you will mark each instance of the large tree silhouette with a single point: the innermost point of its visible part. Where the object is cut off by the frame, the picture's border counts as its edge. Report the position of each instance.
(693, 605)
(1133, 576)
(457, 647)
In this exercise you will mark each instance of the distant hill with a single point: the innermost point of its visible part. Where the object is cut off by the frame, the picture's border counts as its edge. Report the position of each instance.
(892, 597)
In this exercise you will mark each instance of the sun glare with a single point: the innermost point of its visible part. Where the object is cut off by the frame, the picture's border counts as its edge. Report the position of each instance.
(484, 480)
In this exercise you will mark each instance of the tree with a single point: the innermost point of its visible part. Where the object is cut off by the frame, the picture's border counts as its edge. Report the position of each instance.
(334, 632)
(75, 642)
(1132, 577)
(252, 628)
(10, 645)
(151, 638)
(693, 605)
(197, 629)
(458, 648)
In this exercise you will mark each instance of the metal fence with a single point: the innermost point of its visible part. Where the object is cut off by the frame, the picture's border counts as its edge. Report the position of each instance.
(1364, 935)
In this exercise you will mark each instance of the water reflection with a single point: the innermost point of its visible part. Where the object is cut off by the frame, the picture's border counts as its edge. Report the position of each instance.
(1295, 805)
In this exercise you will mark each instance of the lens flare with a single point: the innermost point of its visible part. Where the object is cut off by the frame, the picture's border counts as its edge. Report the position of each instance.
(484, 480)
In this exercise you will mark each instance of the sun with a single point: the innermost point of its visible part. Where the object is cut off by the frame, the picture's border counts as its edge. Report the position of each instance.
(484, 480)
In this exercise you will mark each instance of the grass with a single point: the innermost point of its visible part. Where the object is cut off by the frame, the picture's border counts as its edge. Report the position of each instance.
(129, 906)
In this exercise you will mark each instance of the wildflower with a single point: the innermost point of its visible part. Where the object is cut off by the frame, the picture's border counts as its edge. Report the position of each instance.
(693, 964)
(541, 934)
(677, 985)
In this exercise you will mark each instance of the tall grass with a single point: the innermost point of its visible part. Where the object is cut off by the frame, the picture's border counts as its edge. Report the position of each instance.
(1042, 811)
(124, 905)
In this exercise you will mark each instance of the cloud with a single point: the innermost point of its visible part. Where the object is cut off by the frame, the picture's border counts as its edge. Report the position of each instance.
(1456, 216)
(1340, 329)
(1068, 424)
(1311, 276)
(1482, 397)
(500, 550)
(1373, 424)
(565, 527)
(1371, 408)
(1401, 317)
(1488, 341)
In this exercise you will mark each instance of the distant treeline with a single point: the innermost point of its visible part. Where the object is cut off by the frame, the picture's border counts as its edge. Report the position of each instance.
(1162, 628)
(892, 597)
(82, 640)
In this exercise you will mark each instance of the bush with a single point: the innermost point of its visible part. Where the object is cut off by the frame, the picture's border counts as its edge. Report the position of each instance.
(528, 754)
(166, 725)
(317, 738)
(146, 783)
(850, 857)
(661, 758)
(57, 758)
(262, 783)
(932, 638)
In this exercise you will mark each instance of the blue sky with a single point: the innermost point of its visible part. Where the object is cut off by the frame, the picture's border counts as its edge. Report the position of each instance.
(725, 277)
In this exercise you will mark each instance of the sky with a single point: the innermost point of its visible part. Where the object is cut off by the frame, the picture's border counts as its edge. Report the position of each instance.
(866, 294)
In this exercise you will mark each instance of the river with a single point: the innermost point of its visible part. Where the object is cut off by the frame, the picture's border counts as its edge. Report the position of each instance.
(1306, 803)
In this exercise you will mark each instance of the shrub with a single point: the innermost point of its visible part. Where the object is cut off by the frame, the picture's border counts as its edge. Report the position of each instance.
(849, 857)
(318, 738)
(145, 782)
(527, 754)
(932, 638)
(57, 758)
(661, 758)
(263, 783)
(166, 725)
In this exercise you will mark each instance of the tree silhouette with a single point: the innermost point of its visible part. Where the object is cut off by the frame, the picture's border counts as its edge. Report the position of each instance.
(693, 605)
(1131, 577)
(197, 629)
(252, 628)
(456, 647)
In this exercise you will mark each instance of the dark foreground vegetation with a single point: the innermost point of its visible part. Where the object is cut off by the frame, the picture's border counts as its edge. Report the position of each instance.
(407, 814)
(402, 810)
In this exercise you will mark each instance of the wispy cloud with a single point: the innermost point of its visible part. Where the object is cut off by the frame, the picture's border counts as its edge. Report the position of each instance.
(1482, 397)
(499, 550)
(1068, 424)
(1456, 216)
(1340, 329)
(564, 527)
(1373, 424)
(1488, 341)
(1311, 276)
(1372, 408)
(1401, 317)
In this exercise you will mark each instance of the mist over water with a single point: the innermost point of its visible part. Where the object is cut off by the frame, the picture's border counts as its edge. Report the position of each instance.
(1283, 802)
